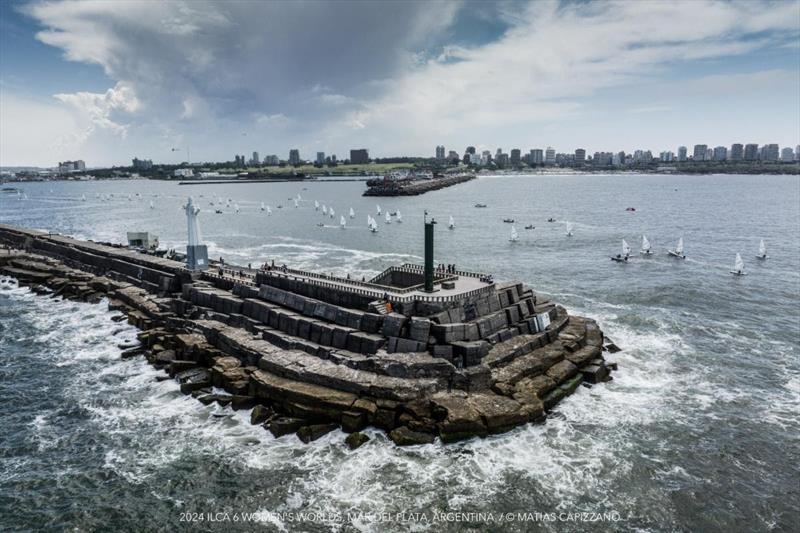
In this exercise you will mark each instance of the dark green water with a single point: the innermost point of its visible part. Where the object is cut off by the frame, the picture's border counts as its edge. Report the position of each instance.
(699, 431)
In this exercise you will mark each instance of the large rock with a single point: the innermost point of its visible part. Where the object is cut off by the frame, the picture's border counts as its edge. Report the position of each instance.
(314, 431)
(561, 371)
(356, 440)
(260, 414)
(499, 412)
(283, 425)
(457, 418)
(403, 436)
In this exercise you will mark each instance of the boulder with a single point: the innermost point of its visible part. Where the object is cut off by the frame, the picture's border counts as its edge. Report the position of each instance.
(260, 414)
(356, 440)
(457, 418)
(315, 431)
(283, 425)
(239, 402)
(499, 413)
(561, 371)
(403, 436)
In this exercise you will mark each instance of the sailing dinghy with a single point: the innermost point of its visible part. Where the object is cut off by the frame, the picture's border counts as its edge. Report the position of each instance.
(738, 266)
(762, 250)
(514, 235)
(452, 223)
(645, 246)
(678, 251)
(626, 251)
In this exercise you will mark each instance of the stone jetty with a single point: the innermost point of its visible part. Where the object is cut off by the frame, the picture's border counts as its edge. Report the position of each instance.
(387, 186)
(308, 353)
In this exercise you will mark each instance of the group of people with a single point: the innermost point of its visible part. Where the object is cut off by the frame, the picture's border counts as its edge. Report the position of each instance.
(449, 268)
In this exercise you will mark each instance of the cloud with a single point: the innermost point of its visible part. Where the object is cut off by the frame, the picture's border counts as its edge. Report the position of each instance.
(393, 76)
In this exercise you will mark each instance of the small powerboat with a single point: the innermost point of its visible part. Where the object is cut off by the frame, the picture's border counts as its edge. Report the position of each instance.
(508, 220)
(480, 205)
(530, 226)
(218, 211)
(551, 219)
(630, 209)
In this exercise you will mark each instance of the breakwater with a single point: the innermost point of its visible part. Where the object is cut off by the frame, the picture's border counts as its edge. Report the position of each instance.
(409, 187)
(308, 353)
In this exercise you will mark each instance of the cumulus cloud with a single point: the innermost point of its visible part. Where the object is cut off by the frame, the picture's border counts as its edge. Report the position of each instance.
(389, 75)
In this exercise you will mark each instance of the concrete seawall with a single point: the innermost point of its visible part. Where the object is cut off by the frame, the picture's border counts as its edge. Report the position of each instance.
(307, 359)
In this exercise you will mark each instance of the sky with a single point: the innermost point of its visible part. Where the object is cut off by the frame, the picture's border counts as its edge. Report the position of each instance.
(106, 81)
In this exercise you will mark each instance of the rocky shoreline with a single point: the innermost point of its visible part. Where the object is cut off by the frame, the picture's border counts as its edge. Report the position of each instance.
(305, 366)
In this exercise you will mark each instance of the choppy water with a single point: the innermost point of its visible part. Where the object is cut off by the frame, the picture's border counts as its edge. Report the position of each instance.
(699, 431)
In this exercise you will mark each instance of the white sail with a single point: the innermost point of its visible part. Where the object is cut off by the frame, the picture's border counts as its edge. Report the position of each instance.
(316, 205)
(236, 207)
(352, 213)
(369, 220)
(269, 210)
(151, 204)
(83, 197)
(399, 216)
(679, 248)
(452, 223)
(295, 202)
(388, 218)
(332, 212)
(738, 264)
(262, 206)
(299, 197)
(378, 209)
(130, 198)
(324, 210)
(762, 249)
(645, 244)
(96, 195)
(569, 229)
(514, 234)
(342, 221)
(626, 249)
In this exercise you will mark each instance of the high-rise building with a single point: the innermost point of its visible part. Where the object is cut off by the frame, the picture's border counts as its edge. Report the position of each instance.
(515, 157)
(667, 157)
(700, 152)
(360, 156)
(255, 160)
(320, 158)
(271, 160)
(294, 156)
(470, 150)
(440, 152)
(501, 160)
(550, 156)
(787, 154)
(580, 156)
(720, 153)
(750, 152)
(142, 164)
(771, 152)
(681, 154)
(736, 153)
(709, 154)
(536, 157)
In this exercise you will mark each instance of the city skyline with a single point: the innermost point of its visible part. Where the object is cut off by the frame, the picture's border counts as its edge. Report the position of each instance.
(395, 78)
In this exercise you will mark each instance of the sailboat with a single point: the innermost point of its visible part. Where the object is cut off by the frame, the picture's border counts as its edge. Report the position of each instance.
(388, 218)
(296, 205)
(83, 197)
(738, 266)
(316, 205)
(645, 246)
(452, 223)
(373, 225)
(332, 212)
(151, 205)
(678, 251)
(97, 195)
(342, 222)
(352, 213)
(378, 209)
(514, 234)
(762, 250)
(236, 207)
(263, 208)
(324, 210)
(569, 229)
(130, 198)
(399, 216)
(269, 210)
(299, 198)
(626, 251)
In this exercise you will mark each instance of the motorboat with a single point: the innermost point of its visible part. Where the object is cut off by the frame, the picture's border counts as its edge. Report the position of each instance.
(508, 220)
(480, 205)
(530, 226)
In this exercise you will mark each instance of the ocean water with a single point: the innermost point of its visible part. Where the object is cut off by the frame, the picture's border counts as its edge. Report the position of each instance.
(699, 431)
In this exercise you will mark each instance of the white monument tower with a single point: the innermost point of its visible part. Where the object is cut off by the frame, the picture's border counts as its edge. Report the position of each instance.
(196, 253)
